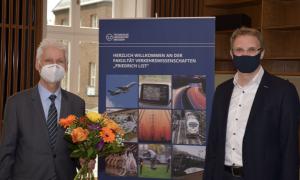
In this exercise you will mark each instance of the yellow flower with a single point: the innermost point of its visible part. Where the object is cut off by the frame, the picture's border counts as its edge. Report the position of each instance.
(79, 134)
(93, 116)
(107, 135)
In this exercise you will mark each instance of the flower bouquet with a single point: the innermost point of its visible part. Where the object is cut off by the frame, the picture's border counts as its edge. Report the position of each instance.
(91, 135)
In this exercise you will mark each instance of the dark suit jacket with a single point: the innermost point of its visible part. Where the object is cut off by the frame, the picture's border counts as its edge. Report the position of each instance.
(25, 153)
(270, 144)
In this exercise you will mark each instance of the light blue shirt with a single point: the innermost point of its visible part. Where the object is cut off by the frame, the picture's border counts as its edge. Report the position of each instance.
(46, 102)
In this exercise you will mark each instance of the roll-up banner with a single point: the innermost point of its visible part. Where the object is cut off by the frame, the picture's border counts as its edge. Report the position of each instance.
(157, 81)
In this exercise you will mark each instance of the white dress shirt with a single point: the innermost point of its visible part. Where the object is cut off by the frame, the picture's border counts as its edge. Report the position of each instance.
(238, 114)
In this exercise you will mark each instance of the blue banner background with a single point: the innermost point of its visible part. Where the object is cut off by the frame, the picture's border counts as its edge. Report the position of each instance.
(193, 38)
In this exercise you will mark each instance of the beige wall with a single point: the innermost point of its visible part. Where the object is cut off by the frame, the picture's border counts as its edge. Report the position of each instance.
(60, 15)
(88, 53)
(103, 11)
(88, 50)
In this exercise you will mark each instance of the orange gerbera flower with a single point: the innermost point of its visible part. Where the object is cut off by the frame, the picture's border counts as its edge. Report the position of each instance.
(66, 122)
(113, 126)
(107, 135)
(79, 134)
(110, 124)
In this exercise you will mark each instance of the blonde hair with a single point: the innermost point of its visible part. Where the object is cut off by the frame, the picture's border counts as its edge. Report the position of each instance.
(50, 43)
(247, 31)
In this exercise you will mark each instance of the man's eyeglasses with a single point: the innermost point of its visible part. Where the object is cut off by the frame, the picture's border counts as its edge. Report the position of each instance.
(251, 51)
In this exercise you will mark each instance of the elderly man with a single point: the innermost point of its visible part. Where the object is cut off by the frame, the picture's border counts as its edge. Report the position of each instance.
(32, 146)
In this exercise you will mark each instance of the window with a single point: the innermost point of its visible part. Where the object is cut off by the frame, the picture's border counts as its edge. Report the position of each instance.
(58, 12)
(76, 22)
(92, 74)
(63, 22)
(94, 21)
(92, 10)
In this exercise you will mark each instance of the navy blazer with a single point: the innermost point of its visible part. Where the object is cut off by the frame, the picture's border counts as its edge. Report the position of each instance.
(25, 152)
(270, 144)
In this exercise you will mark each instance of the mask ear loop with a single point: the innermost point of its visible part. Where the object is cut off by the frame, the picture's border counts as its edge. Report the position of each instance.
(260, 50)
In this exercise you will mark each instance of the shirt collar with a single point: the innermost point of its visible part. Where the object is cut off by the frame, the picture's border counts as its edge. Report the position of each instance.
(256, 79)
(45, 93)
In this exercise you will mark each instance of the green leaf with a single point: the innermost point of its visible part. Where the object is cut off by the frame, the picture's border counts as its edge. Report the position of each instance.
(76, 153)
(90, 152)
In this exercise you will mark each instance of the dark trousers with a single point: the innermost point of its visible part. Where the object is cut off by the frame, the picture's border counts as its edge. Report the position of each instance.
(229, 176)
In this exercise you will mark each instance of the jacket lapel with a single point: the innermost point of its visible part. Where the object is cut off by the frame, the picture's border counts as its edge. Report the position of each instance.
(64, 112)
(257, 107)
(64, 107)
(39, 112)
(260, 97)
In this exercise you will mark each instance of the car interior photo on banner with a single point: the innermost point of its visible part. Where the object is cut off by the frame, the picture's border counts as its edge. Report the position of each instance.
(155, 91)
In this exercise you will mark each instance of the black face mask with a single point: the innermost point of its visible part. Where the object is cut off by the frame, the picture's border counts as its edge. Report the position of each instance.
(246, 64)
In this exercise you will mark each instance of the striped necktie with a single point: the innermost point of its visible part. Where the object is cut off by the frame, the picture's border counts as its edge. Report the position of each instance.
(52, 121)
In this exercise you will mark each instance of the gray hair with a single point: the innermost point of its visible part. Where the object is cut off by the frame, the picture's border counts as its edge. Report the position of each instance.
(50, 43)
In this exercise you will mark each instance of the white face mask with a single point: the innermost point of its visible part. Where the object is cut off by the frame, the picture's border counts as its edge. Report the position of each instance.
(52, 73)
